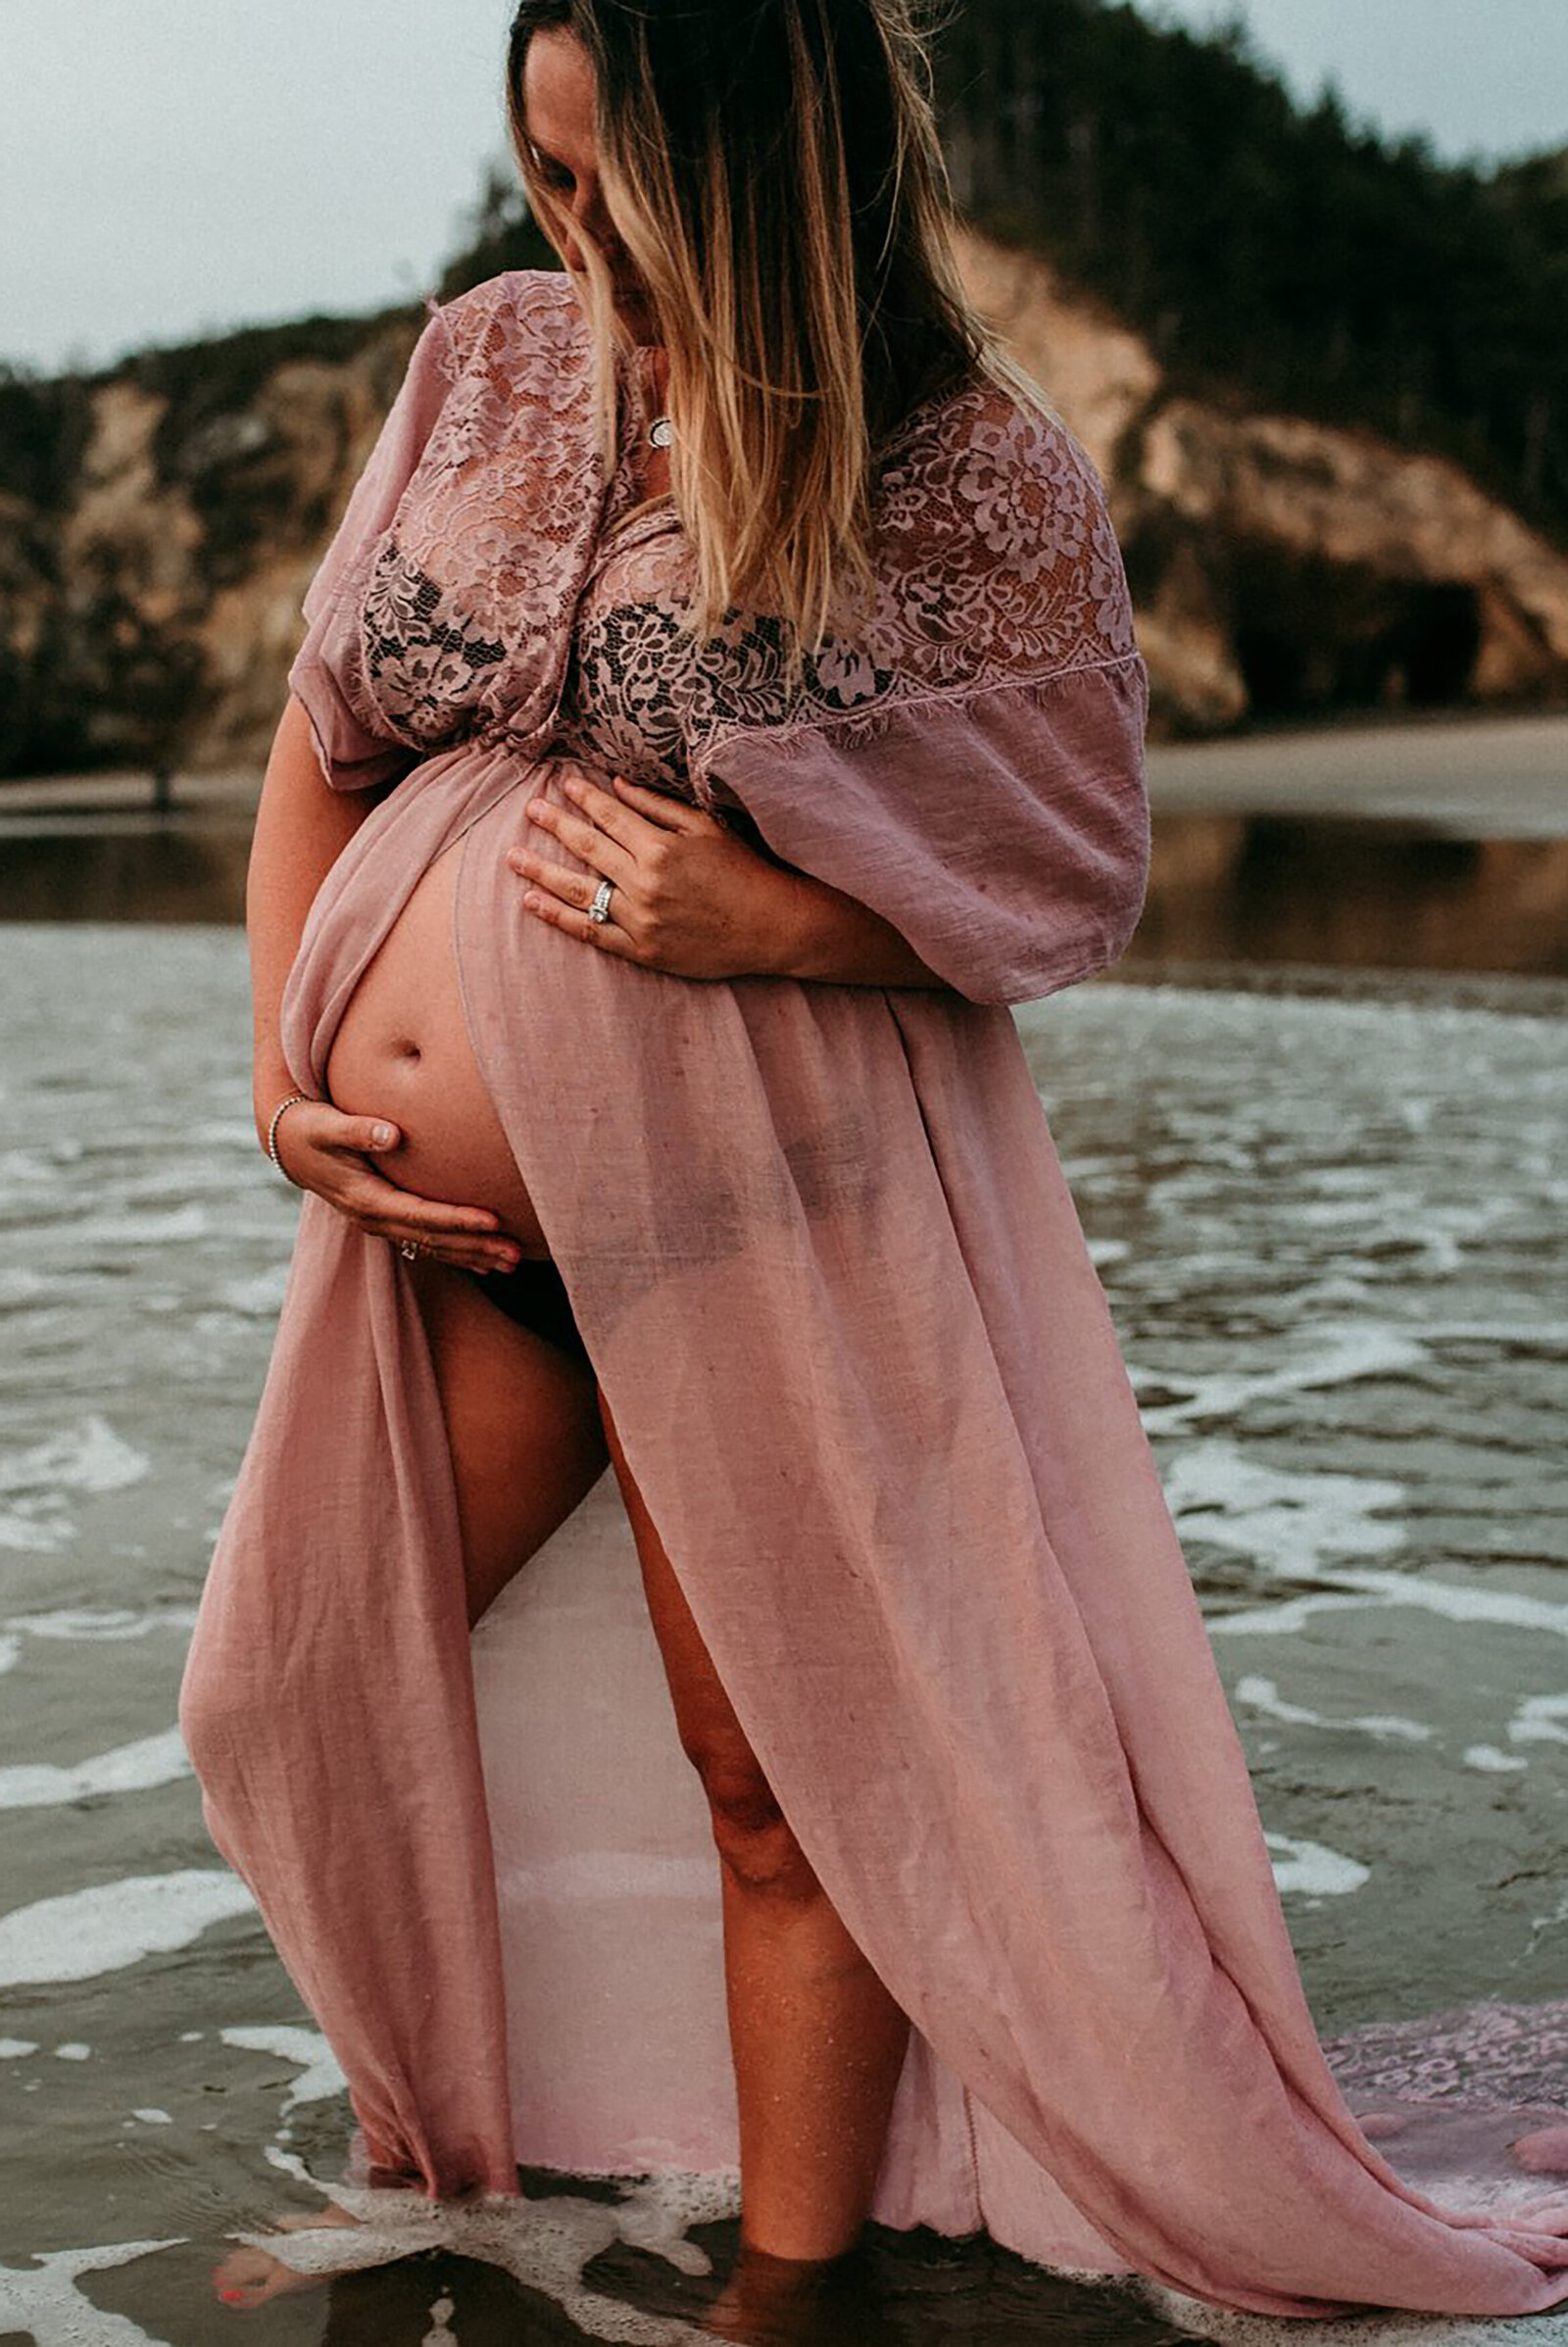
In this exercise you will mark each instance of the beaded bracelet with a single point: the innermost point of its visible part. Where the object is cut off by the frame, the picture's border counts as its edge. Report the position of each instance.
(293, 1100)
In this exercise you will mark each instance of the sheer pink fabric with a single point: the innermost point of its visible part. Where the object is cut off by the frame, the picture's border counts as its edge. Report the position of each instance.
(833, 1285)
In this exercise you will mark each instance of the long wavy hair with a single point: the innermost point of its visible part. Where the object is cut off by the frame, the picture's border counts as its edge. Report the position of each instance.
(772, 170)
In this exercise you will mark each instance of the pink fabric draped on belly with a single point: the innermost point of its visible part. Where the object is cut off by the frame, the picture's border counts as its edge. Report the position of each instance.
(834, 1286)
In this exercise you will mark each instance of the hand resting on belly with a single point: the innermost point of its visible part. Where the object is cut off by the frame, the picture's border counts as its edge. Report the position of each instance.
(401, 1059)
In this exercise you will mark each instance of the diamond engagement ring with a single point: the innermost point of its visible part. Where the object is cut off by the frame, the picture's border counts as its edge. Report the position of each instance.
(599, 909)
(410, 1249)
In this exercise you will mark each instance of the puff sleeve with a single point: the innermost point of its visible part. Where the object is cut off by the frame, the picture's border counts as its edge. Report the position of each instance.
(972, 767)
(356, 752)
(1005, 835)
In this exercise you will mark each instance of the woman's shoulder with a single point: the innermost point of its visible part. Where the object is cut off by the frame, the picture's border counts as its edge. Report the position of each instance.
(995, 550)
(522, 316)
(989, 457)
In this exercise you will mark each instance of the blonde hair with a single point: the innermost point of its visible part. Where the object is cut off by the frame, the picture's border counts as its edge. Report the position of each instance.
(773, 169)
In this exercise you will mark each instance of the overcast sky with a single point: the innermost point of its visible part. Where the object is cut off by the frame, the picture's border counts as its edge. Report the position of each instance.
(168, 167)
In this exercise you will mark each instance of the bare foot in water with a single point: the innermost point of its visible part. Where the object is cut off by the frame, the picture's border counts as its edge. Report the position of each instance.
(249, 2278)
(777, 2302)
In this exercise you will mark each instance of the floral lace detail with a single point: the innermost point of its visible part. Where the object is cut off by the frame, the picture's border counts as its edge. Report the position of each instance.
(421, 655)
(996, 565)
(491, 538)
(495, 601)
(622, 709)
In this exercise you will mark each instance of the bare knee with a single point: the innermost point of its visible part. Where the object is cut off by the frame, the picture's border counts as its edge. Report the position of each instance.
(755, 1843)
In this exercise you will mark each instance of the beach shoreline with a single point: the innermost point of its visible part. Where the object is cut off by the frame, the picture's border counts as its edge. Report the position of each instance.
(1428, 844)
(1469, 774)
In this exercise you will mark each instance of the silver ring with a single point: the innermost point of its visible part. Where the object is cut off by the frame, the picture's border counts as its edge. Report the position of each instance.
(410, 1249)
(599, 909)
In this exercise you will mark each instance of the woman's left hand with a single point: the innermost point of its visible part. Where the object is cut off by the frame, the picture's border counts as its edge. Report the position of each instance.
(689, 899)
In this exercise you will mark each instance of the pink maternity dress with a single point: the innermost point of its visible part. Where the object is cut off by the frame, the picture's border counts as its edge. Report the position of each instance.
(822, 1258)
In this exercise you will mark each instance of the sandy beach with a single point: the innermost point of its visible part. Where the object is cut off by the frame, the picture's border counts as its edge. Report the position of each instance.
(1464, 777)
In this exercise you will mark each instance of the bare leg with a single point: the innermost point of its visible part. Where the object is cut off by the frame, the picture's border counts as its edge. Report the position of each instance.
(817, 2040)
(521, 1422)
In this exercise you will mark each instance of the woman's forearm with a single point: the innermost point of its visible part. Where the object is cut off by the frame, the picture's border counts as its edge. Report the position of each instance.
(301, 828)
(833, 937)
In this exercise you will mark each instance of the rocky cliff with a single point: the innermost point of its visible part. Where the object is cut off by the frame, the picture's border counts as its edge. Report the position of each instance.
(157, 526)
(1280, 567)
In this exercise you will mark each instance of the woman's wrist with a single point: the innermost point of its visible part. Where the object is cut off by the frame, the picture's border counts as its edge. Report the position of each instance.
(290, 1099)
(269, 1087)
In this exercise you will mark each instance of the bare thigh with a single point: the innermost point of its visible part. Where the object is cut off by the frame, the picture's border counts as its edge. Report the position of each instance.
(531, 1432)
(522, 1425)
(402, 1052)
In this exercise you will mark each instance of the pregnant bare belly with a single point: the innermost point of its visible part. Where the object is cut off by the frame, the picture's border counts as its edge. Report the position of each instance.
(402, 1052)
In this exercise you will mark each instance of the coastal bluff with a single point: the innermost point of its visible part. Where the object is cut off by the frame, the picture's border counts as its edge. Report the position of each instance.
(159, 525)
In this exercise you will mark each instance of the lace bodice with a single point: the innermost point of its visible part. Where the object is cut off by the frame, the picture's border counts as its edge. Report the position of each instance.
(628, 680)
(965, 758)
(487, 580)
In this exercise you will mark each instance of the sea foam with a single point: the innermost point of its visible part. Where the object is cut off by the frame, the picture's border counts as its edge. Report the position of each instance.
(81, 1934)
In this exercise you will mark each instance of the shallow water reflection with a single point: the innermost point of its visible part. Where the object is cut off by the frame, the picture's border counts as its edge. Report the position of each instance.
(132, 869)
(1261, 889)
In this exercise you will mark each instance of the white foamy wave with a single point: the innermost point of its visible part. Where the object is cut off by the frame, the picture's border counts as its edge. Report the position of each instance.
(102, 1621)
(1343, 1355)
(546, 2244)
(259, 1297)
(32, 1534)
(129, 1768)
(1439, 1230)
(90, 1458)
(44, 2301)
(1508, 1608)
(1286, 1523)
(20, 1287)
(112, 1925)
(1311, 1867)
(1500, 1606)
(1262, 1694)
(320, 2077)
(1488, 1758)
(1226, 2330)
(143, 1229)
(1539, 1721)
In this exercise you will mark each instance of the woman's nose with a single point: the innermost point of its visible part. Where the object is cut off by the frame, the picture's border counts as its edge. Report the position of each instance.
(587, 211)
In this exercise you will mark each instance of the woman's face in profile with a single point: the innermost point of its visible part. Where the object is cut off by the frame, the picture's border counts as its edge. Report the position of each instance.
(558, 107)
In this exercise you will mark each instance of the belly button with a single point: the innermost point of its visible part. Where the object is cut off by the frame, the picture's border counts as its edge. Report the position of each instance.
(408, 1050)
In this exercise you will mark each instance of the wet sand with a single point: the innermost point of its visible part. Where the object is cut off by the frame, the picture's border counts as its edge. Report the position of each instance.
(1468, 778)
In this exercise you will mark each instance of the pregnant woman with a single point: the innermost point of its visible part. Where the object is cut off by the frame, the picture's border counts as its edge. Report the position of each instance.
(725, 681)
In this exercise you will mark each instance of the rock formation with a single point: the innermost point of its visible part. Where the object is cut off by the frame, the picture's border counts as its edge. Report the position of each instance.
(149, 595)
(1284, 568)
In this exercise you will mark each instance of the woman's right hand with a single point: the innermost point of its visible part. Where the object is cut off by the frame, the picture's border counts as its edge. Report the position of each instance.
(321, 1150)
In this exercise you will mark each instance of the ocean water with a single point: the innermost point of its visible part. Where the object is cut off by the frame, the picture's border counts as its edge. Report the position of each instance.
(1330, 1224)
